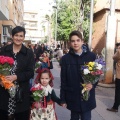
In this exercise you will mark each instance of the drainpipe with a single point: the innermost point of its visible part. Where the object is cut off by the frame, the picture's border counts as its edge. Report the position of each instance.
(110, 43)
(91, 23)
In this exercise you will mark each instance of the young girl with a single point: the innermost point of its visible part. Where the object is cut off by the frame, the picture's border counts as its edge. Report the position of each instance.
(45, 109)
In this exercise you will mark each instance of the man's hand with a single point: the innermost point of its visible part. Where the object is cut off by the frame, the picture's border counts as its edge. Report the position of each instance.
(1, 83)
(89, 86)
(64, 105)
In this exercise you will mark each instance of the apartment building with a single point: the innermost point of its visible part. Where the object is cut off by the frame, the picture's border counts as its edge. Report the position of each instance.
(36, 25)
(32, 26)
(11, 15)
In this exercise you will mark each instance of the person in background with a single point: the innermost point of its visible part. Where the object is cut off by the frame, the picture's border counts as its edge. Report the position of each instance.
(45, 60)
(30, 46)
(116, 58)
(85, 46)
(4, 43)
(58, 53)
(9, 42)
(36, 48)
(65, 51)
(12, 108)
(42, 49)
(71, 79)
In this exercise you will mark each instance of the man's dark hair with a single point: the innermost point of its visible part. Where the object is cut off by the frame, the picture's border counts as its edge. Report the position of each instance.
(58, 46)
(18, 29)
(77, 33)
(117, 44)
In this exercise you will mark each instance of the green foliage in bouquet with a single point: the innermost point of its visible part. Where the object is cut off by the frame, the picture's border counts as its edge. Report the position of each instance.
(37, 65)
(37, 92)
(5, 69)
(38, 95)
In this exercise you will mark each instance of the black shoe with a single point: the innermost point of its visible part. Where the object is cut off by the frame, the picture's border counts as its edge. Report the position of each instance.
(112, 109)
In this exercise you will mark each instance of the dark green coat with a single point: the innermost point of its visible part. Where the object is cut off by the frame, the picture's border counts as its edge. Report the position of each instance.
(53, 97)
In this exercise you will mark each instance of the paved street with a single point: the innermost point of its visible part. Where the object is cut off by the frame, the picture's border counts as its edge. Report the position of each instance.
(104, 98)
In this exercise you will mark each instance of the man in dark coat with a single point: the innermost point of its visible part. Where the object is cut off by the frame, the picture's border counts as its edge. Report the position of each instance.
(20, 74)
(116, 58)
(71, 79)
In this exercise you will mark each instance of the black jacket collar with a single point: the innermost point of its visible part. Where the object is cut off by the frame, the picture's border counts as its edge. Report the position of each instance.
(10, 48)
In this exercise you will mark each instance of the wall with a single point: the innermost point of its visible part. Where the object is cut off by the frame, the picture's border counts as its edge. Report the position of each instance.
(99, 36)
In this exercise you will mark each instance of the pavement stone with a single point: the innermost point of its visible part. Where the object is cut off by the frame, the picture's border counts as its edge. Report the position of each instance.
(104, 99)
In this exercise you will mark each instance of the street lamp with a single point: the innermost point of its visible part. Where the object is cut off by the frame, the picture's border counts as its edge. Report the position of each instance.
(55, 7)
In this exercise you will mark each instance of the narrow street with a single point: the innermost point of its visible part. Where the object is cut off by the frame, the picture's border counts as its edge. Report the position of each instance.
(35, 31)
(104, 98)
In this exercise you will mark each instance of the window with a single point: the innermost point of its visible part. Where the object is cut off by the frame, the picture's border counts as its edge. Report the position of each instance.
(4, 30)
(33, 24)
(33, 16)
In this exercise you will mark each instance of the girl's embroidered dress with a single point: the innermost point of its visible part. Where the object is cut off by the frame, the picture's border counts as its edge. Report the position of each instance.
(44, 110)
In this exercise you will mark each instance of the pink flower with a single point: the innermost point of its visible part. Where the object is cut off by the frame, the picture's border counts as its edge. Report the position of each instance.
(36, 87)
(6, 59)
(99, 72)
(10, 61)
(6, 64)
(93, 73)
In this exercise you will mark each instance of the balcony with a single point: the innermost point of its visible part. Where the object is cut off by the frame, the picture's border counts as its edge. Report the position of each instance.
(30, 19)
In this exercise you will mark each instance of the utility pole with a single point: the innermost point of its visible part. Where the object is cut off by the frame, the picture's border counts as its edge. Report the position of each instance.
(91, 23)
(55, 25)
(56, 29)
(110, 43)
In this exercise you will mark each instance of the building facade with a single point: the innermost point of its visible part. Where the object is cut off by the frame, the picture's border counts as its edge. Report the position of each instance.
(102, 9)
(106, 32)
(11, 15)
(35, 27)
(36, 24)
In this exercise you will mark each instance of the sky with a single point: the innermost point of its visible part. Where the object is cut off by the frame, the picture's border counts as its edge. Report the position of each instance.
(38, 4)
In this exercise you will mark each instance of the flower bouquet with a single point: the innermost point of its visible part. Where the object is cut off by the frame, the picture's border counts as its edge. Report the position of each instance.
(6, 64)
(37, 65)
(91, 73)
(37, 93)
(41, 59)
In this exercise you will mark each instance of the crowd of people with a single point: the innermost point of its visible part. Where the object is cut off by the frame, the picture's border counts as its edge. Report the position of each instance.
(25, 58)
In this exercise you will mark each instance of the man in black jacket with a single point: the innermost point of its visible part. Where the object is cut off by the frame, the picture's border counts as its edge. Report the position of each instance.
(71, 79)
(17, 108)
